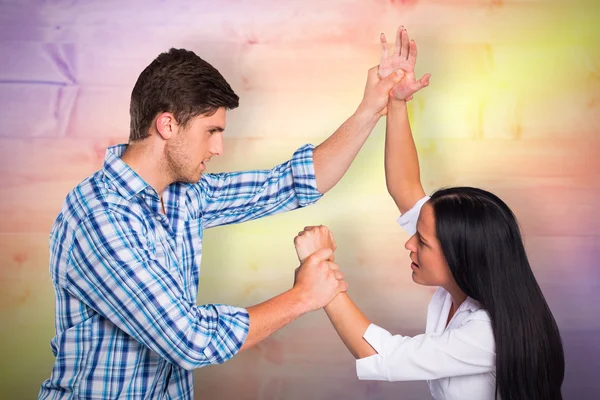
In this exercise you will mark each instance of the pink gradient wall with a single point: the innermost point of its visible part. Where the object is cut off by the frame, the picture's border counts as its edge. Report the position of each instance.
(513, 107)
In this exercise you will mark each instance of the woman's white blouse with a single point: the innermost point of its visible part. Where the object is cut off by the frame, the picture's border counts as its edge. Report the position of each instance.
(457, 360)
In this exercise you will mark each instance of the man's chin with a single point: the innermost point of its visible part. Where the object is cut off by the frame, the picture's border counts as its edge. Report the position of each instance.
(190, 179)
(196, 179)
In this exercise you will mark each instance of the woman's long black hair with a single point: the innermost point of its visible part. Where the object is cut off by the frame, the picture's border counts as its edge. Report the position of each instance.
(482, 244)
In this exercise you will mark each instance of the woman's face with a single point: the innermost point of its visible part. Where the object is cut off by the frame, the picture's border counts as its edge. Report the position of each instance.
(429, 266)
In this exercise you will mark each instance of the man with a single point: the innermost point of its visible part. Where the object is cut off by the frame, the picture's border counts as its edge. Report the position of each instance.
(127, 243)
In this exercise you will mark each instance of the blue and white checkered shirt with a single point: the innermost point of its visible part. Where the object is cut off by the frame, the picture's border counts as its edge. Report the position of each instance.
(126, 277)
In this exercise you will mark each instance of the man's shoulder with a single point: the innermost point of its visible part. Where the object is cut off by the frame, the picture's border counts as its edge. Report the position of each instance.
(93, 195)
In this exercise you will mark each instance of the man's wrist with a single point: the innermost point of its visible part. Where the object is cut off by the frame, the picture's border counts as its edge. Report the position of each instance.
(364, 114)
(300, 301)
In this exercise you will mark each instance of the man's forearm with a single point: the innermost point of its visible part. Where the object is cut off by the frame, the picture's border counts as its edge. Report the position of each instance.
(402, 174)
(272, 315)
(333, 157)
(351, 324)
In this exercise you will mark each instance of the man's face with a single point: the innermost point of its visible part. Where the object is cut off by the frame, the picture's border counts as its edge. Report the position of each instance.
(188, 151)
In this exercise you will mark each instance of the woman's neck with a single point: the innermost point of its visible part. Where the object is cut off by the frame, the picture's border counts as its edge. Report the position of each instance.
(458, 297)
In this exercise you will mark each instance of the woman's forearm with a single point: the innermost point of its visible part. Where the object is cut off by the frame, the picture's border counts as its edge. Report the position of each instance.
(402, 173)
(351, 324)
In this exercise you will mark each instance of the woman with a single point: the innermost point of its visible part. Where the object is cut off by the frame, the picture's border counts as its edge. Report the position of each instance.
(489, 333)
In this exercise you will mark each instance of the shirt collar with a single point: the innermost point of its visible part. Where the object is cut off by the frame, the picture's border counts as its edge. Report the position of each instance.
(470, 304)
(127, 182)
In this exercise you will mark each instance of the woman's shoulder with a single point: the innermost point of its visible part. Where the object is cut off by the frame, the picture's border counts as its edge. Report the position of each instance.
(477, 325)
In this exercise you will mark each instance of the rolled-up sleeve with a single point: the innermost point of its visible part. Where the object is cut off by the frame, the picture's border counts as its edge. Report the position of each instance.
(466, 350)
(113, 269)
(408, 220)
(234, 197)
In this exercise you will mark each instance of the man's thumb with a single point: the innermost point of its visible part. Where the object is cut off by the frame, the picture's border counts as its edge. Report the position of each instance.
(393, 78)
(323, 254)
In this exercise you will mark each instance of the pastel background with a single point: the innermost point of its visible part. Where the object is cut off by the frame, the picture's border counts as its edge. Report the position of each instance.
(513, 107)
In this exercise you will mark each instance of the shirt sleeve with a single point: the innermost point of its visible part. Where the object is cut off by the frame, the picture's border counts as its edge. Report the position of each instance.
(113, 269)
(234, 197)
(408, 220)
(466, 350)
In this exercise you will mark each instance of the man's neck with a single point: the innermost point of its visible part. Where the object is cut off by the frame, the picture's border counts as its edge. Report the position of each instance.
(148, 163)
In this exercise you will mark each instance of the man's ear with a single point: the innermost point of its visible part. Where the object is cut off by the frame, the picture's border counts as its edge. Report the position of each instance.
(166, 125)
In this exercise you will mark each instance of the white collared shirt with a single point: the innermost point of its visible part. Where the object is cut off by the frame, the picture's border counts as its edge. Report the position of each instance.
(458, 360)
